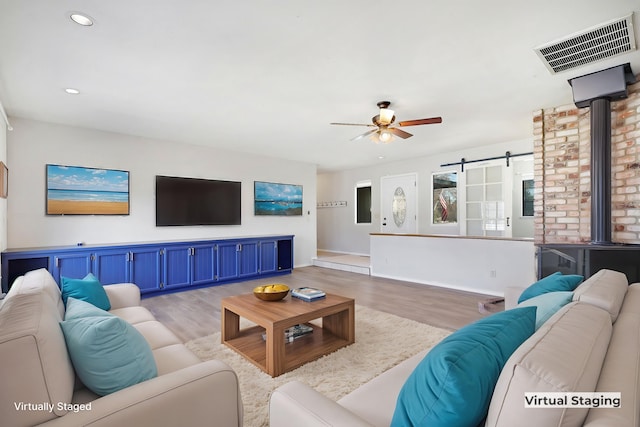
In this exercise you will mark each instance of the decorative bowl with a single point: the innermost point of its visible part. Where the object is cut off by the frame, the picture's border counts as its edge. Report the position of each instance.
(273, 292)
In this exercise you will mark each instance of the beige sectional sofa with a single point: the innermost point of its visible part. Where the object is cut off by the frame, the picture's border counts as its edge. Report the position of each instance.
(590, 345)
(38, 385)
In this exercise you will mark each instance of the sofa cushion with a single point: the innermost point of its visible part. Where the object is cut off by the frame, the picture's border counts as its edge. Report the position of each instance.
(372, 404)
(108, 354)
(88, 289)
(555, 282)
(35, 366)
(461, 372)
(547, 305)
(77, 309)
(620, 373)
(605, 289)
(37, 281)
(564, 355)
(134, 315)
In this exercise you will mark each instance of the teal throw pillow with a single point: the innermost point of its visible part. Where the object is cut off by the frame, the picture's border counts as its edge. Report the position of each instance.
(88, 289)
(547, 305)
(453, 384)
(77, 309)
(555, 282)
(108, 354)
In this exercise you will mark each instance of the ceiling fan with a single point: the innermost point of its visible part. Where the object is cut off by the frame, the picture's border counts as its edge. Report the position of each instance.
(382, 122)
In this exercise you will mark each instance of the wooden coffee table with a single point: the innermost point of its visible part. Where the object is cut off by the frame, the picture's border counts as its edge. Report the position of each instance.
(274, 356)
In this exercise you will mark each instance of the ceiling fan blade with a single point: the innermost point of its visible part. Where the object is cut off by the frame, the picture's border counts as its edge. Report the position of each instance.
(365, 134)
(397, 132)
(428, 121)
(353, 124)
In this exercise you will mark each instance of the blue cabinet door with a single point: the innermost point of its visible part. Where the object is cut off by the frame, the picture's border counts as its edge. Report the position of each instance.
(268, 256)
(112, 266)
(227, 260)
(76, 265)
(177, 266)
(146, 269)
(203, 264)
(249, 262)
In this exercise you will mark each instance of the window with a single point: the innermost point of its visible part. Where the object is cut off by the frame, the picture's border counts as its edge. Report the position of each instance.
(527, 197)
(445, 197)
(363, 202)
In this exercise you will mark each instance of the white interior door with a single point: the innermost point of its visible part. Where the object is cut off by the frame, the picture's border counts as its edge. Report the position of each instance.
(399, 198)
(488, 200)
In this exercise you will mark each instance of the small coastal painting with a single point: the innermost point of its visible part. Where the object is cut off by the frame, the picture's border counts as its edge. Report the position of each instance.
(277, 199)
(73, 190)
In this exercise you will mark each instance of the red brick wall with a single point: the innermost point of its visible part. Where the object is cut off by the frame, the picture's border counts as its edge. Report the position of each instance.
(562, 166)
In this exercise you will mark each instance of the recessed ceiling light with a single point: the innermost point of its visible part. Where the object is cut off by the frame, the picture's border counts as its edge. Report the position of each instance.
(72, 91)
(81, 19)
(380, 157)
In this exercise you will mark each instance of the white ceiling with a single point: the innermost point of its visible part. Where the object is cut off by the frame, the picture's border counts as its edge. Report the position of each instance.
(267, 77)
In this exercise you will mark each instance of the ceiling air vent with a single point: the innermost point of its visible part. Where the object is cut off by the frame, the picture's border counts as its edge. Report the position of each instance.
(594, 44)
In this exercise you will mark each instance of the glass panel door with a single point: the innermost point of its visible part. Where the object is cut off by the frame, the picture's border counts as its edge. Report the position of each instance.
(488, 204)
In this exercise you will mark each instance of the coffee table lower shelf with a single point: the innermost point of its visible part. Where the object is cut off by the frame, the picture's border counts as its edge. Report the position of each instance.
(250, 344)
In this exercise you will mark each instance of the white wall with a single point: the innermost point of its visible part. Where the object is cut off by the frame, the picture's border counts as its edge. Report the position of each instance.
(486, 266)
(337, 230)
(3, 202)
(32, 145)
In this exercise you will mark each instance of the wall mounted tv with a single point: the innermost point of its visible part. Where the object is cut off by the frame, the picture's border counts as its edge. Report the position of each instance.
(194, 201)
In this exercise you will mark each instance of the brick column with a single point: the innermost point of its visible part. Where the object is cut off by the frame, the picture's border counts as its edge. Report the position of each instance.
(561, 146)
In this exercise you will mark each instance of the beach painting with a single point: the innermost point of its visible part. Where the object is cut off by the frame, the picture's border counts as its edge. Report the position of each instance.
(73, 190)
(277, 199)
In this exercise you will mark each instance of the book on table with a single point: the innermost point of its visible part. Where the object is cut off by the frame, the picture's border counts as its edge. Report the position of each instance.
(294, 332)
(308, 294)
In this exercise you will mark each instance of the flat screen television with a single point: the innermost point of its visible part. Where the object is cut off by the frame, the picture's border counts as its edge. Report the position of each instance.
(194, 201)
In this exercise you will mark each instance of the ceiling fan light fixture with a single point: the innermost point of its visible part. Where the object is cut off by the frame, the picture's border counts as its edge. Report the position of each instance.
(385, 136)
(386, 116)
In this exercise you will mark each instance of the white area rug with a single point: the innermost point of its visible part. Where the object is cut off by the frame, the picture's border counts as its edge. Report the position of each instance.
(382, 341)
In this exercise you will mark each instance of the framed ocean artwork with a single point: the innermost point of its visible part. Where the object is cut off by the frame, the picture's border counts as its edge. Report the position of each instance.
(75, 190)
(277, 199)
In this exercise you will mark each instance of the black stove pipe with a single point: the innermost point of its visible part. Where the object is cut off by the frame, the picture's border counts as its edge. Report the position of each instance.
(601, 171)
(597, 90)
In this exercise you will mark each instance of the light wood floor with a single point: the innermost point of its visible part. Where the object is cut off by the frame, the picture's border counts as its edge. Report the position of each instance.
(196, 313)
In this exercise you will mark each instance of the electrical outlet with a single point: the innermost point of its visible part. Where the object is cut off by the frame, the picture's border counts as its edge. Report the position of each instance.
(492, 273)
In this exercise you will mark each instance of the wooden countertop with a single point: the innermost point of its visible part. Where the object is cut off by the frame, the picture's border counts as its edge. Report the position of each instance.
(454, 236)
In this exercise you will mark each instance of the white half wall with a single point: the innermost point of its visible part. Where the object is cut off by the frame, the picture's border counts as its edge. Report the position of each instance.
(480, 265)
(33, 144)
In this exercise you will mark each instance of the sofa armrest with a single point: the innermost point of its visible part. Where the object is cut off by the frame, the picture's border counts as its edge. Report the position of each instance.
(511, 295)
(123, 295)
(296, 404)
(203, 394)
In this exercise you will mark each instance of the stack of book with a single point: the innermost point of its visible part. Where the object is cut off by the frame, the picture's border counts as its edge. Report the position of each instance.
(308, 294)
(293, 333)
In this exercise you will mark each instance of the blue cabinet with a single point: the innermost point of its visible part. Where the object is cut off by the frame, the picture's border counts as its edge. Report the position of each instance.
(112, 266)
(158, 267)
(138, 265)
(146, 268)
(268, 256)
(203, 265)
(177, 266)
(248, 261)
(227, 260)
(74, 265)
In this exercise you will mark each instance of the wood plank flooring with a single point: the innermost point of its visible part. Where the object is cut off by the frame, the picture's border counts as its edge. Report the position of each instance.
(196, 313)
